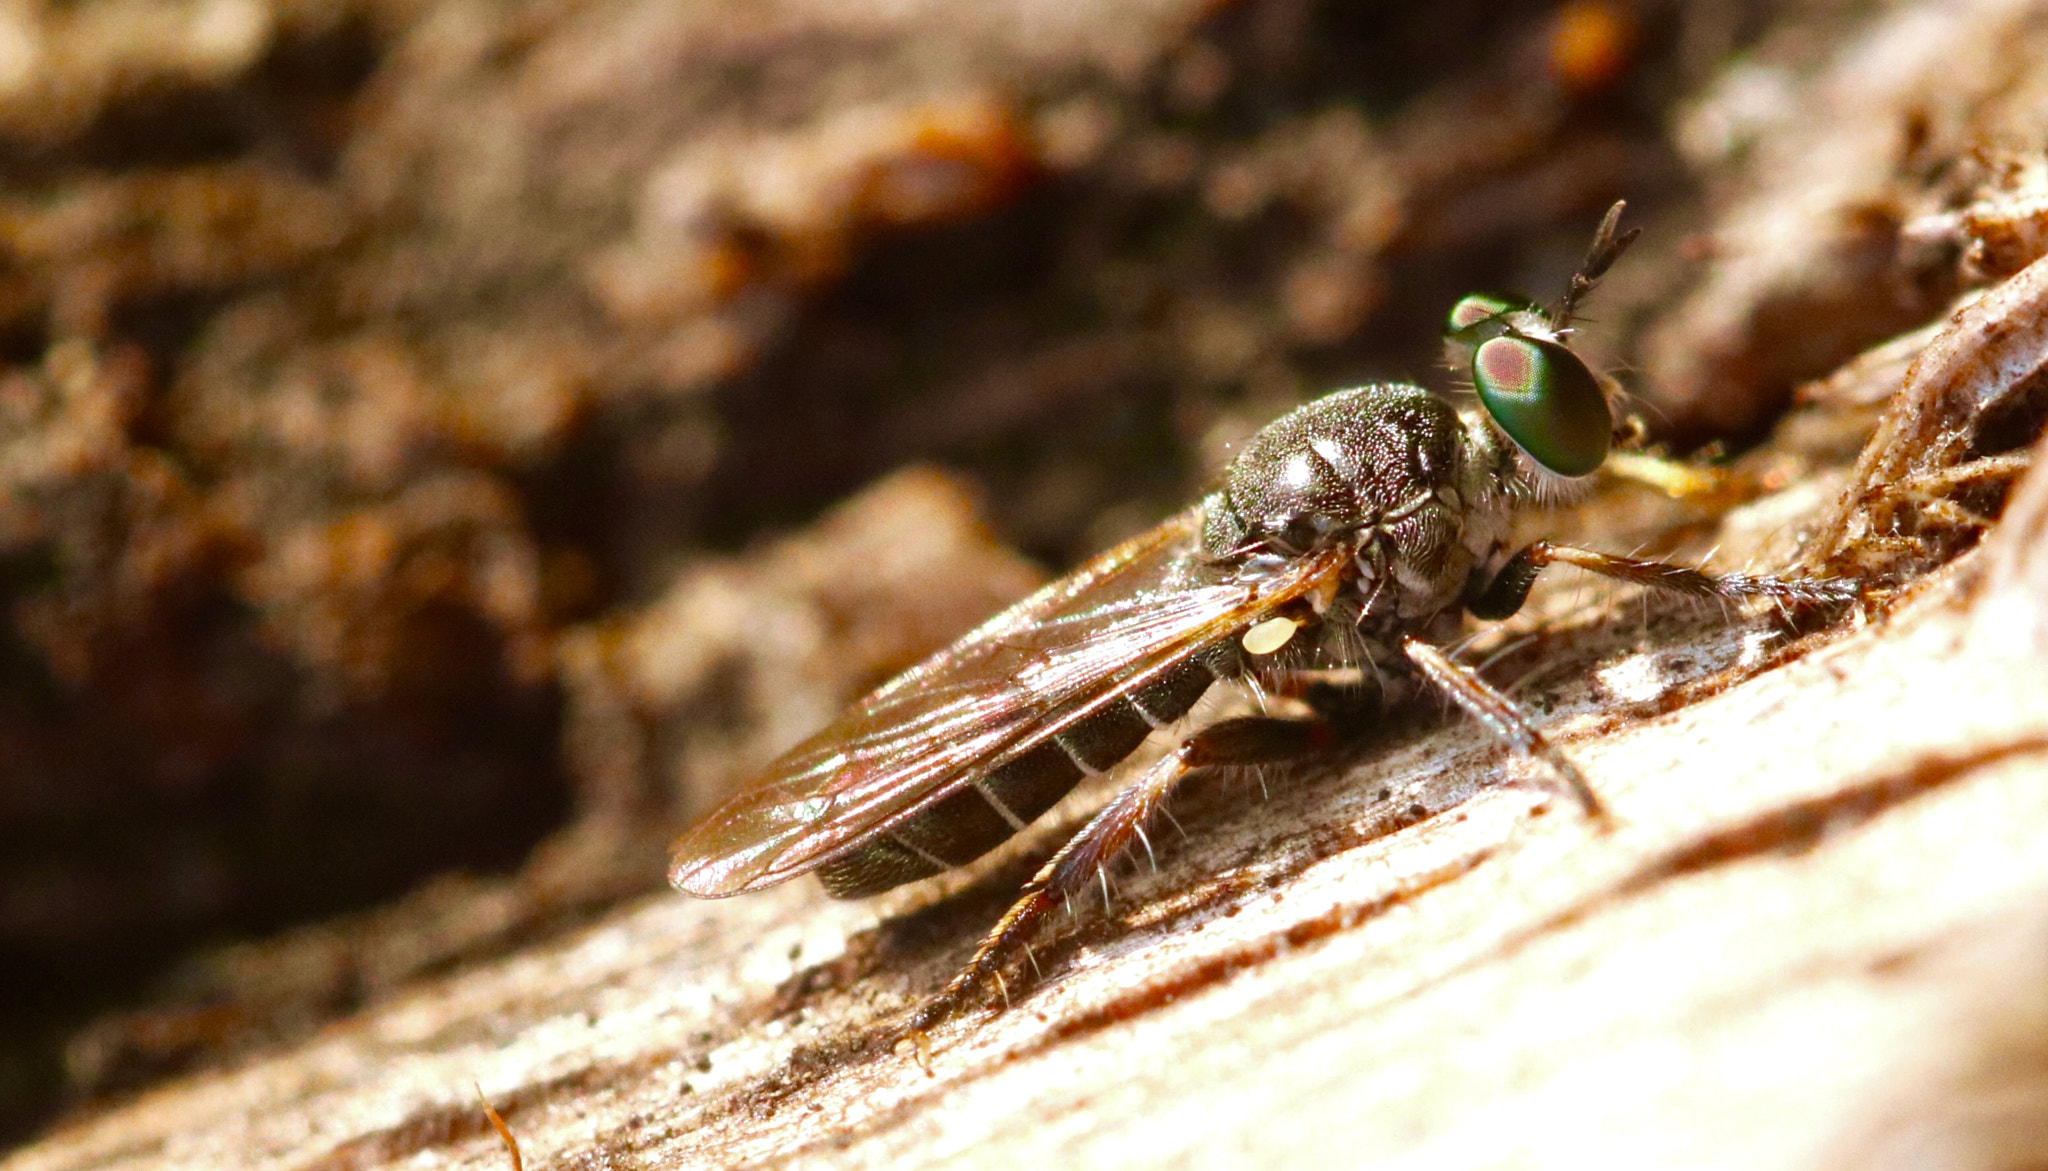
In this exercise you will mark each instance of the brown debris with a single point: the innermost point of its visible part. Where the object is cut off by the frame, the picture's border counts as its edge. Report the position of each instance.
(1952, 440)
(1825, 165)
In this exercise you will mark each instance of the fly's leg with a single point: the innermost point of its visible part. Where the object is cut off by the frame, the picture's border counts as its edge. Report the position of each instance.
(1480, 700)
(1680, 480)
(1243, 742)
(1510, 587)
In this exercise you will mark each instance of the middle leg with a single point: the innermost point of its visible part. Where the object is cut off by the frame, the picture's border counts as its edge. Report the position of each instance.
(1498, 712)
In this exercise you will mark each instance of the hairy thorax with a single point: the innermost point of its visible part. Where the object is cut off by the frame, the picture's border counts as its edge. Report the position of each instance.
(1420, 495)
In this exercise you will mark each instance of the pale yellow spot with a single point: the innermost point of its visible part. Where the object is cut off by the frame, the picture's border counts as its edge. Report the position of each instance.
(1270, 635)
(1324, 593)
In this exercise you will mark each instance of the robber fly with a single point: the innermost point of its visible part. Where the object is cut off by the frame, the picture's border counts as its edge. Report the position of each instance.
(1359, 529)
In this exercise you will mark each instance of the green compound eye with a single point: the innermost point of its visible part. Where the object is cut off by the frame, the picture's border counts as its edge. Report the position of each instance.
(1480, 316)
(1543, 396)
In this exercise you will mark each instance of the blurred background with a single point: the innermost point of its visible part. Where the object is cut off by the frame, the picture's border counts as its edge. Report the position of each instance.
(445, 444)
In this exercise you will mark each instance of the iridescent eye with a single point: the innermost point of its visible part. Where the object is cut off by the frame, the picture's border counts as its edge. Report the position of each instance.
(1543, 396)
(1480, 316)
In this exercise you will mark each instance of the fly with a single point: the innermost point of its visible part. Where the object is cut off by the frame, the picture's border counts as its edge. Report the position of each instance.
(1359, 529)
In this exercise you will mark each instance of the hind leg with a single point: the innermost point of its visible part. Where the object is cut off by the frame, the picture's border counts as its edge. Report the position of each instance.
(1243, 742)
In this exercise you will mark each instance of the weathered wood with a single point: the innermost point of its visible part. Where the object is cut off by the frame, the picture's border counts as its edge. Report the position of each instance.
(1816, 938)
(1818, 872)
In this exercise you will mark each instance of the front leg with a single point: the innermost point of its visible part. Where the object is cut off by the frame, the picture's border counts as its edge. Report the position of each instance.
(1509, 588)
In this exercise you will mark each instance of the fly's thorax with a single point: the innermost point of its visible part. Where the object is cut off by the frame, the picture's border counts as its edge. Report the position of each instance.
(1380, 468)
(1343, 468)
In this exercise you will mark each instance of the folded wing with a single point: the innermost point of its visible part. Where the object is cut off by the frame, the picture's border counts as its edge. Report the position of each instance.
(1118, 621)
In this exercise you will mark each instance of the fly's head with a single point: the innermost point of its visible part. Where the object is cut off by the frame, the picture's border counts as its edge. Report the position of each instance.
(1533, 391)
(1400, 475)
(1557, 417)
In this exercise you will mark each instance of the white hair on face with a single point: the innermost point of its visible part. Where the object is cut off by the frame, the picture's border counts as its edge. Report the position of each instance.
(1546, 488)
(1529, 482)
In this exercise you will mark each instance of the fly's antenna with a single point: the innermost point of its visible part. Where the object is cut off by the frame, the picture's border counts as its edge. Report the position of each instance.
(1608, 245)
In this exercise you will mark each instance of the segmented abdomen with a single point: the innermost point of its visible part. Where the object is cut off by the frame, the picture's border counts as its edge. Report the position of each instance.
(991, 808)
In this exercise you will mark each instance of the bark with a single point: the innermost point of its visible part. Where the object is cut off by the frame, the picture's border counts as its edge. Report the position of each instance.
(396, 472)
(1815, 936)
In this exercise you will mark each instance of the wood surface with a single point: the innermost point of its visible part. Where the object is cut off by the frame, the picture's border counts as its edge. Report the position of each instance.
(1816, 937)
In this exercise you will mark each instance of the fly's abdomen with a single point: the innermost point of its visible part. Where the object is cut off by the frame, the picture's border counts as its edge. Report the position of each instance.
(987, 811)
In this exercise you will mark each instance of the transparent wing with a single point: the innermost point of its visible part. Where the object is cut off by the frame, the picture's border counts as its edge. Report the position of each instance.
(1130, 614)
